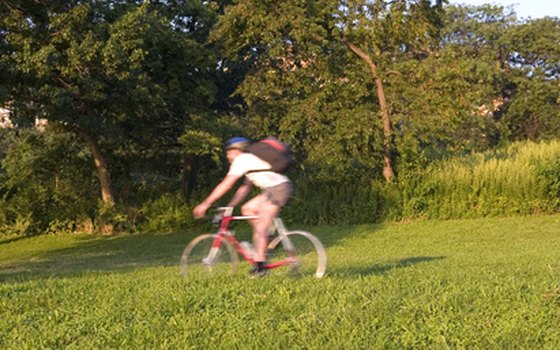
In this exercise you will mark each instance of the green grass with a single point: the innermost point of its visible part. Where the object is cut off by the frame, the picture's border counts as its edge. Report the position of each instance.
(515, 180)
(473, 284)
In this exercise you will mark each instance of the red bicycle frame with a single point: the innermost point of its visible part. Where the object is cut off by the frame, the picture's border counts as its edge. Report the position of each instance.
(225, 233)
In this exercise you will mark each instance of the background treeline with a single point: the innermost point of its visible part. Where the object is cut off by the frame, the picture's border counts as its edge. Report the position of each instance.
(394, 109)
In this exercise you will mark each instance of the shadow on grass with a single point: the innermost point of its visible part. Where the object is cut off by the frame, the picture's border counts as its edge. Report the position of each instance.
(11, 239)
(331, 235)
(381, 269)
(97, 254)
(118, 254)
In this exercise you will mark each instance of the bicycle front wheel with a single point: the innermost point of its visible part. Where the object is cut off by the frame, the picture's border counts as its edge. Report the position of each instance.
(208, 255)
(308, 255)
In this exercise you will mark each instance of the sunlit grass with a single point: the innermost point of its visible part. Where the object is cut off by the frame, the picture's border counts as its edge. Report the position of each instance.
(485, 283)
(497, 183)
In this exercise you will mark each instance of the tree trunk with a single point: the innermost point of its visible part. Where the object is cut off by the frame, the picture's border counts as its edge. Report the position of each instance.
(388, 172)
(107, 193)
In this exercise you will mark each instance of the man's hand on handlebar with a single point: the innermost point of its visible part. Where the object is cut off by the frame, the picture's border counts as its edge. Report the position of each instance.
(200, 210)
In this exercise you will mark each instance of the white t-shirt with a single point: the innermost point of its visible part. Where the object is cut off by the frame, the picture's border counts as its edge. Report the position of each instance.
(244, 163)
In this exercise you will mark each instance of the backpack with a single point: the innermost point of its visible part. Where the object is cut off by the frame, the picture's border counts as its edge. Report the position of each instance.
(273, 151)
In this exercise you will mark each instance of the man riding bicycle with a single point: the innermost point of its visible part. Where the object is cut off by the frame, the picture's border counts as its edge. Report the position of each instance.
(276, 192)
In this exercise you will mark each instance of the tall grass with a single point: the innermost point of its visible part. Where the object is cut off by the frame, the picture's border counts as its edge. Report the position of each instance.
(515, 180)
(333, 202)
(521, 179)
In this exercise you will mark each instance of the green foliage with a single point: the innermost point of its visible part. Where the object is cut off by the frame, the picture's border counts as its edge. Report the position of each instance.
(306, 86)
(61, 227)
(167, 214)
(519, 179)
(534, 111)
(548, 172)
(390, 31)
(321, 202)
(113, 219)
(475, 284)
(534, 97)
(158, 86)
(20, 225)
(449, 102)
(297, 92)
(122, 76)
(515, 180)
(533, 48)
(48, 178)
(201, 143)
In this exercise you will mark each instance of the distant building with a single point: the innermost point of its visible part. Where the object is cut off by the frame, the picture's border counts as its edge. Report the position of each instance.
(5, 121)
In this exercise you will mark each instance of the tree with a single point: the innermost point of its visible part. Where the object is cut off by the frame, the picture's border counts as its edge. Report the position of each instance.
(125, 78)
(277, 48)
(298, 59)
(450, 101)
(382, 33)
(47, 182)
(533, 60)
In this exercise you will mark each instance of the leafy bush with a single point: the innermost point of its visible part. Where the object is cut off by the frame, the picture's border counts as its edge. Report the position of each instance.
(112, 219)
(549, 176)
(321, 202)
(49, 185)
(61, 226)
(522, 178)
(169, 213)
(49, 177)
(20, 226)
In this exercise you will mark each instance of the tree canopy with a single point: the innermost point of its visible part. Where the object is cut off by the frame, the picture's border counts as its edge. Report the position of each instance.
(362, 90)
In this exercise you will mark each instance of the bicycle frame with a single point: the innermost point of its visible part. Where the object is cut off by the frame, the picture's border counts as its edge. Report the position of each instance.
(225, 233)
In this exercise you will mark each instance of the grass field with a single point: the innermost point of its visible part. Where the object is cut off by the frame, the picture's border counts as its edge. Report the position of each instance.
(472, 284)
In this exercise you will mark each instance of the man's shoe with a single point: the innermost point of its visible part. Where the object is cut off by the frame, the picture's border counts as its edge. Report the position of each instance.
(258, 272)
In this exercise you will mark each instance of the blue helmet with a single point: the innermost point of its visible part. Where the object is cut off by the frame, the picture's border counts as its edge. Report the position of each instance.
(237, 143)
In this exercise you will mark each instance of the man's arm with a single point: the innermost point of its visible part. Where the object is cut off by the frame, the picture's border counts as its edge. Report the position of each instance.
(221, 189)
(240, 194)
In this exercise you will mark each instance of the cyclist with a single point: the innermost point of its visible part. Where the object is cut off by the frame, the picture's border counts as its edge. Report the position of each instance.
(276, 192)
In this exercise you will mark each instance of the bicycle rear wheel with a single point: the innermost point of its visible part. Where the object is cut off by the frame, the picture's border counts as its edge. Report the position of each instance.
(309, 255)
(206, 257)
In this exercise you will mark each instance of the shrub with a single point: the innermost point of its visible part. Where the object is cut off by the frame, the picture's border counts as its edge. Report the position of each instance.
(48, 177)
(520, 179)
(330, 202)
(168, 213)
(113, 219)
(549, 176)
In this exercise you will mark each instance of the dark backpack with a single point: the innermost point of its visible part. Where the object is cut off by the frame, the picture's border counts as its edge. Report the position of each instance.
(274, 152)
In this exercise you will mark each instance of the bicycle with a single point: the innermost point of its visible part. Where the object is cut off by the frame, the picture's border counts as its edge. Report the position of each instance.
(218, 253)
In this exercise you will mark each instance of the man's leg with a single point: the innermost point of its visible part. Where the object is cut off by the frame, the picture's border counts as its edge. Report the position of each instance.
(266, 211)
